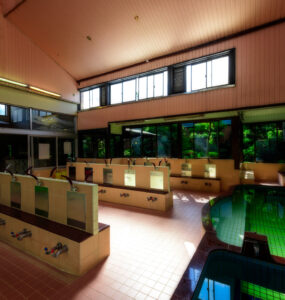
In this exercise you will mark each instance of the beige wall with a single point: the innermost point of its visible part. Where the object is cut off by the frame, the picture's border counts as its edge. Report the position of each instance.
(260, 76)
(265, 172)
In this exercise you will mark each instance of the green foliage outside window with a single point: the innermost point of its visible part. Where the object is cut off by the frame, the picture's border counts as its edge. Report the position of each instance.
(149, 141)
(264, 142)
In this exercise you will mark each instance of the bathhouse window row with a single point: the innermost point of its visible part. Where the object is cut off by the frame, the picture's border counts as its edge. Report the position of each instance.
(187, 140)
(212, 71)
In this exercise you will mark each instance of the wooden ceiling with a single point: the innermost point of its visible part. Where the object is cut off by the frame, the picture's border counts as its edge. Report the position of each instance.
(91, 37)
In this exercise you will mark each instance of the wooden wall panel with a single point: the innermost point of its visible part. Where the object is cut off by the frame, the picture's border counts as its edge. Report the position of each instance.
(260, 80)
(21, 60)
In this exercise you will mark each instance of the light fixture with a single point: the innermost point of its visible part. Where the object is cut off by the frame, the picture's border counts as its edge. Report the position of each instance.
(13, 82)
(44, 91)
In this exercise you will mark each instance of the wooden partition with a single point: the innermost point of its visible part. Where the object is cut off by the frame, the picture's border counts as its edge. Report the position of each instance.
(226, 174)
(144, 193)
(85, 247)
(142, 173)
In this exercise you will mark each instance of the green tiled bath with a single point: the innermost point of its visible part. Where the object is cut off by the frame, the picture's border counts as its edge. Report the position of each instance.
(257, 209)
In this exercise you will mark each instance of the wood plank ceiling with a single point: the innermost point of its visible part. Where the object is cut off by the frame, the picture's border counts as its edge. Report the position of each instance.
(92, 37)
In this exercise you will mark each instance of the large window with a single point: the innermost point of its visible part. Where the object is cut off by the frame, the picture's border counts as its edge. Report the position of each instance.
(92, 143)
(206, 139)
(139, 88)
(14, 152)
(90, 98)
(3, 110)
(264, 142)
(191, 76)
(206, 74)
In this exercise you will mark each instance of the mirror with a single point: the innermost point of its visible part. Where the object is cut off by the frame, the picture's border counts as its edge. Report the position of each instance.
(130, 177)
(108, 176)
(15, 192)
(72, 173)
(89, 174)
(210, 171)
(41, 201)
(186, 170)
(156, 180)
(76, 209)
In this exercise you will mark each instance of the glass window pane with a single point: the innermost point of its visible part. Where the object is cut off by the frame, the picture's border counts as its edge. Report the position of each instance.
(198, 76)
(20, 117)
(225, 139)
(95, 97)
(142, 87)
(127, 147)
(188, 79)
(132, 140)
(101, 148)
(213, 150)
(129, 90)
(150, 86)
(116, 93)
(87, 146)
(149, 141)
(85, 100)
(209, 73)
(115, 145)
(2, 110)
(220, 71)
(188, 140)
(158, 85)
(266, 142)
(165, 83)
(248, 143)
(163, 141)
(14, 152)
(201, 139)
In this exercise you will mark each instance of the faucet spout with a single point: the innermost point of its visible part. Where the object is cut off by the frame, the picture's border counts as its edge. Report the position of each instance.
(58, 252)
(25, 233)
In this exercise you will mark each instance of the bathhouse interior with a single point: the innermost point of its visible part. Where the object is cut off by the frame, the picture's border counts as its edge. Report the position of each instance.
(142, 149)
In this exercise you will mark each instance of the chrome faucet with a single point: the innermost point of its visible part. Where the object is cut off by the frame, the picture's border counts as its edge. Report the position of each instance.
(25, 233)
(60, 251)
(58, 246)
(22, 234)
(2, 222)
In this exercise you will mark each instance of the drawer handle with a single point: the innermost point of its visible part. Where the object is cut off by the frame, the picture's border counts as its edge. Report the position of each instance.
(151, 198)
(102, 191)
(184, 182)
(124, 195)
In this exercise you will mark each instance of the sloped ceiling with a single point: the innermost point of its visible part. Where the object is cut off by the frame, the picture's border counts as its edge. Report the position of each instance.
(91, 37)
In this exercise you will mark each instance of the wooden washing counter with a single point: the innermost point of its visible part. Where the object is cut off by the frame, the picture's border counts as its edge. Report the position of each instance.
(199, 184)
(84, 249)
(138, 197)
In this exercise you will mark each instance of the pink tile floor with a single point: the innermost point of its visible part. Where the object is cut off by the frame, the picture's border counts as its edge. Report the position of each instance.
(149, 253)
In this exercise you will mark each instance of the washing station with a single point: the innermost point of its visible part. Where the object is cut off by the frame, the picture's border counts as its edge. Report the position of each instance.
(53, 220)
(130, 184)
